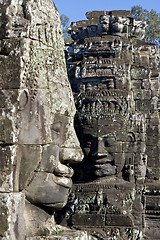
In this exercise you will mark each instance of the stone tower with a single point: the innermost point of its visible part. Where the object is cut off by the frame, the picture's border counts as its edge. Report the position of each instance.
(37, 136)
(114, 75)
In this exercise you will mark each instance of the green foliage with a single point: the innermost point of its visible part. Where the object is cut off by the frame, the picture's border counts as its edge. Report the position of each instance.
(152, 19)
(65, 23)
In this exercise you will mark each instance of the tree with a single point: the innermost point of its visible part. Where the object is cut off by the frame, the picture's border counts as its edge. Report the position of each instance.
(152, 19)
(65, 23)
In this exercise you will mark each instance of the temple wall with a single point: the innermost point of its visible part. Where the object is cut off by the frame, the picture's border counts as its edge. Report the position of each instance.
(36, 120)
(115, 75)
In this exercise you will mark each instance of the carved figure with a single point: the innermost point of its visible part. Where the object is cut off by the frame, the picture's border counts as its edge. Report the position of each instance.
(37, 137)
(117, 122)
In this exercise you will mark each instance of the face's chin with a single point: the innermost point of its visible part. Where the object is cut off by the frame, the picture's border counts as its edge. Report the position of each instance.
(100, 166)
(48, 190)
(100, 170)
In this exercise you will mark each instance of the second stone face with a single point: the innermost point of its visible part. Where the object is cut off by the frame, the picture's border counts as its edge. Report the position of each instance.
(114, 75)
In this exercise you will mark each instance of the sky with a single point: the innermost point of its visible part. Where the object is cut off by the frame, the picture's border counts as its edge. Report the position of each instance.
(75, 9)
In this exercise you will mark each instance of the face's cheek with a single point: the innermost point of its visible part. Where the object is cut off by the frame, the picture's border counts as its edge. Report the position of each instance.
(48, 190)
(49, 159)
(86, 151)
(51, 181)
(109, 143)
(87, 145)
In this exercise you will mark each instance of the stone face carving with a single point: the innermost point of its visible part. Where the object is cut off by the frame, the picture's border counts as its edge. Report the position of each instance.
(103, 23)
(37, 137)
(114, 75)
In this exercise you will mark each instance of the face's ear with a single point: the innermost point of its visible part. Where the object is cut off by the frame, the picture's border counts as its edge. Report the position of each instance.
(29, 157)
(130, 137)
(143, 158)
(23, 99)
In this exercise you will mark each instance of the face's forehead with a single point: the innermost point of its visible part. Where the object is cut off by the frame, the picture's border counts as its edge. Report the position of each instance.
(35, 87)
(104, 127)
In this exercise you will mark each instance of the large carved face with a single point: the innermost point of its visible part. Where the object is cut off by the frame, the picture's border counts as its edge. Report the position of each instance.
(101, 141)
(101, 114)
(42, 109)
(47, 144)
(38, 106)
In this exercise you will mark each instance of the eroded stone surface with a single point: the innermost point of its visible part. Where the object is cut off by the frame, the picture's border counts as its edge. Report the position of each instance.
(37, 137)
(11, 216)
(114, 75)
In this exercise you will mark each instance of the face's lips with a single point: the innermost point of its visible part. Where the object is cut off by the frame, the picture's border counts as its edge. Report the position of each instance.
(101, 166)
(57, 206)
(63, 170)
(101, 160)
(63, 181)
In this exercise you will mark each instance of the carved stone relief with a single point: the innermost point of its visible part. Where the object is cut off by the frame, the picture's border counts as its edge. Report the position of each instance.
(37, 136)
(114, 76)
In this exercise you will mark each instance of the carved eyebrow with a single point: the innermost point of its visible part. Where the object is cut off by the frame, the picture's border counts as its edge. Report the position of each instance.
(56, 126)
(109, 136)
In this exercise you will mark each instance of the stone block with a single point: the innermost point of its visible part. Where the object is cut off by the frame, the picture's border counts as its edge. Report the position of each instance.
(152, 151)
(154, 84)
(152, 140)
(8, 169)
(30, 157)
(129, 147)
(48, 190)
(118, 220)
(50, 158)
(145, 61)
(152, 203)
(154, 119)
(153, 173)
(7, 124)
(31, 122)
(10, 64)
(141, 147)
(91, 220)
(151, 232)
(146, 84)
(136, 84)
(139, 73)
(8, 98)
(11, 216)
(146, 94)
(154, 73)
(152, 130)
(137, 94)
(153, 161)
(119, 159)
(143, 105)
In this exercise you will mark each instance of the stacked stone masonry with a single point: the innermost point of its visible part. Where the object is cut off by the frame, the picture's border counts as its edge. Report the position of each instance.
(115, 74)
(37, 136)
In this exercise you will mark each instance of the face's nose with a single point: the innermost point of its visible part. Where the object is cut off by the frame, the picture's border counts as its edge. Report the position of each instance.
(98, 147)
(70, 150)
(102, 151)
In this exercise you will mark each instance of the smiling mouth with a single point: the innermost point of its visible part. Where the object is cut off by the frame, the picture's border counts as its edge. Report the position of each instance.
(57, 206)
(61, 170)
(63, 181)
(101, 160)
(62, 175)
